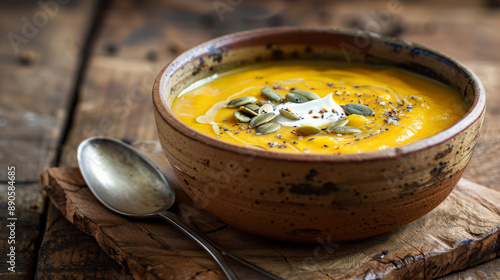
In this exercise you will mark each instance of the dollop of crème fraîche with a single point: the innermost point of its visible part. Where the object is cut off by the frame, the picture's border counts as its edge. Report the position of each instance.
(319, 109)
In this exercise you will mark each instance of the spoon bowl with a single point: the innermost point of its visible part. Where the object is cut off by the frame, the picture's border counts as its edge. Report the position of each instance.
(123, 179)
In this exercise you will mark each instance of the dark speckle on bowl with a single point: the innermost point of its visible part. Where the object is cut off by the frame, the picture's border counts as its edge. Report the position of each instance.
(311, 176)
(215, 54)
(310, 189)
(277, 54)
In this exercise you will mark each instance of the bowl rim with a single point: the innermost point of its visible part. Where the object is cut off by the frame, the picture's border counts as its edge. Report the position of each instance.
(473, 114)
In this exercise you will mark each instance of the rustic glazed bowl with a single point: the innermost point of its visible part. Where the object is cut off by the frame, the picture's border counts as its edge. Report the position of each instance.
(298, 197)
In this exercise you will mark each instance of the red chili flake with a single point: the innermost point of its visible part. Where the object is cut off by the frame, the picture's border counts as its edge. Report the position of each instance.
(315, 117)
(310, 112)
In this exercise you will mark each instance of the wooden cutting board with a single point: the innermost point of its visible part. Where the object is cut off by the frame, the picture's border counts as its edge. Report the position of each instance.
(462, 232)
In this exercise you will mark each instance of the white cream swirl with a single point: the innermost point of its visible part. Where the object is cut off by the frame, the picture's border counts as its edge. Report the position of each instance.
(317, 112)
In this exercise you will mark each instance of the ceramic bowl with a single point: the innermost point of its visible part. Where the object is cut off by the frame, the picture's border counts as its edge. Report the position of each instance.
(297, 197)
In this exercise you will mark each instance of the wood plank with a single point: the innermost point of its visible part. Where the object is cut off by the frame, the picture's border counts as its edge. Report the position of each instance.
(460, 29)
(53, 30)
(488, 270)
(441, 242)
(37, 82)
(64, 254)
(29, 207)
(485, 162)
(36, 95)
(115, 101)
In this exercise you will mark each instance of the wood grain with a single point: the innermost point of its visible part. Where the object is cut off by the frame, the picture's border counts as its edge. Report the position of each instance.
(488, 270)
(36, 95)
(73, 247)
(115, 101)
(485, 163)
(37, 82)
(461, 232)
(29, 203)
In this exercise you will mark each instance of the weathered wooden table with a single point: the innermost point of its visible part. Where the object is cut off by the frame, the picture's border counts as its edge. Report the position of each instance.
(74, 69)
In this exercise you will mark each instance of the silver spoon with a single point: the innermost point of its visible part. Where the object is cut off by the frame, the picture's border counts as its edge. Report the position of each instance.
(128, 183)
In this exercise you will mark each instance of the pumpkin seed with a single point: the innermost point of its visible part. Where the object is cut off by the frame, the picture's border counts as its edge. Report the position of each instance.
(264, 102)
(271, 94)
(296, 98)
(305, 130)
(261, 119)
(249, 111)
(338, 123)
(252, 107)
(241, 101)
(239, 115)
(266, 108)
(357, 109)
(268, 128)
(289, 115)
(346, 130)
(307, 94)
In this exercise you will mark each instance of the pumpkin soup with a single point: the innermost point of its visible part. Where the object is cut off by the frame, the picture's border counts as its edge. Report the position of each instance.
(321, 109)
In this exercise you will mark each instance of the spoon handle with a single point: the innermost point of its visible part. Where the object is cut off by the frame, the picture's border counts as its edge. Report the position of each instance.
(244, 262)
(214, 249)
(214, 252)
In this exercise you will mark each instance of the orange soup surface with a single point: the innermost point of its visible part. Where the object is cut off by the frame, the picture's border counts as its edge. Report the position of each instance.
(317, 108)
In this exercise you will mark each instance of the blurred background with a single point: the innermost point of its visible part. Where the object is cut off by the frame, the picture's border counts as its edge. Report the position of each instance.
(72, 69)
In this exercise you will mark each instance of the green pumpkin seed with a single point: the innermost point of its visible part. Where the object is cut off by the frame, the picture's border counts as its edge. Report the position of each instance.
(346, 130)
(261, 119)
(289, 115)
(266, 108)
(268, 128)
(357, 109)
(249, 111)
(264, 102)
(241, 101)
(307, 94)
(239, 115)
(306, 130)
(338, 123)
(271, 94)
(296, 98)
(252, 107)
